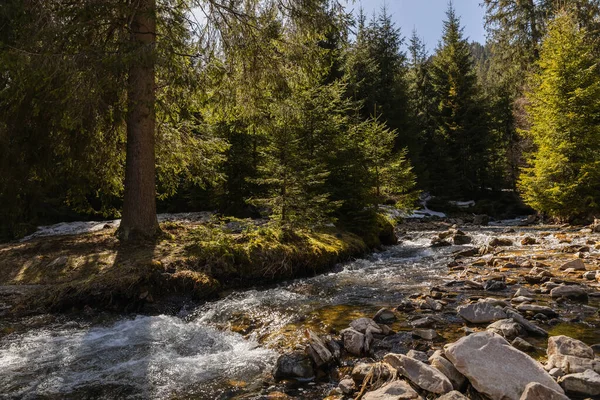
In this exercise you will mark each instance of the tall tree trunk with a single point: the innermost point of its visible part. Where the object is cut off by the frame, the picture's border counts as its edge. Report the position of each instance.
(139, 208)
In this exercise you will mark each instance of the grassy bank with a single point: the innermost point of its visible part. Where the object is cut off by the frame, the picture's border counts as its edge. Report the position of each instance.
(194, 261)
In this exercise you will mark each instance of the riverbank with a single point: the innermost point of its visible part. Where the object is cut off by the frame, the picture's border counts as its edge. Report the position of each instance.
(191, 261)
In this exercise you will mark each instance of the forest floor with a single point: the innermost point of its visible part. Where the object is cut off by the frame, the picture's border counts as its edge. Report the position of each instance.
(191, 260)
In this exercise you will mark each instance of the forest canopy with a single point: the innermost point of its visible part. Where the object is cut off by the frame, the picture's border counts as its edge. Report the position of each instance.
(295, 110)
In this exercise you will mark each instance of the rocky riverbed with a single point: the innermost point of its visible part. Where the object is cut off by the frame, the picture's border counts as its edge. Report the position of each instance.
(507, 312)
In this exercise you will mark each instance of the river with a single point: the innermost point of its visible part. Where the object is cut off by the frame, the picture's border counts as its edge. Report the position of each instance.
(224, 348)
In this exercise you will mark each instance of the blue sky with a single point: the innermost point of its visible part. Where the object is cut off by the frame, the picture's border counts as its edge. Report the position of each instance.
(426, 17)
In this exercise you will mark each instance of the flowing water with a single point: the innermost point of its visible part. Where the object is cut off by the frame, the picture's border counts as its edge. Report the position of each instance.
(211, 351)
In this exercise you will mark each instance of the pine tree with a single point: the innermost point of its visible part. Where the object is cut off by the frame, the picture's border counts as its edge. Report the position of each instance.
(461, 137)
(564, 175)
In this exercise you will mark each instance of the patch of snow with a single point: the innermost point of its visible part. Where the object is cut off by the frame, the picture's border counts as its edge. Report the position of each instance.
(463, 204)
(425, 212)
(80, 227)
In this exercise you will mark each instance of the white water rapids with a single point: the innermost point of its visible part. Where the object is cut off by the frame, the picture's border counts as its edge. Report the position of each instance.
(194, 355)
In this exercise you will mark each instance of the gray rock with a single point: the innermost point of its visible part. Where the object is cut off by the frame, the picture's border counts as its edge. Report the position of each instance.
(362, 324)
(453, 395)
(584, 383)
(500, 242)
(346, 386)
(530, 327)
(537, 391)
(481, 313)
(535, 309)
(460, 240)
(318, 351)
(418, 355)
(523, 345)
(295, 365)
(396, 390)
(521, 299)
(494, 286)
(380, 372)
(570, 355)
(576, 264)
(354, 341)
(427, 334)
(384, 316)
(589, 275)
(507, 328)
(442, 364)
(523, 292)
(495, 368)
(421, 374)
(569, 292)
(426, 322)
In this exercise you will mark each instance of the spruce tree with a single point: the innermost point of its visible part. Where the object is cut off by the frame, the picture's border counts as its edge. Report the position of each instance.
(563, 179)
(461, 136)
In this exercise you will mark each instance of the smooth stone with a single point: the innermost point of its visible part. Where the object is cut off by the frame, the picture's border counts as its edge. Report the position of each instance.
(426, 334)
(589, 275)
(537, 391)
(523, 345)
(442, 364)
(421, 374)
(584, 383)
(481, 313)
(569, 292)
(507, 328)
(384, 316)
(295, 365)
(495, 368)
(534, 308)
(577, 265)
(396, 390)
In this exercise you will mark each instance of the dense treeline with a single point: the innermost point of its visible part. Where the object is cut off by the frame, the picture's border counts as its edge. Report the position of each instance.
(289, 109)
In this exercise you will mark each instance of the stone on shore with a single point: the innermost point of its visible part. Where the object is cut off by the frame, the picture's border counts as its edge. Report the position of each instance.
(495, 368)
(442, 364)
(481, 313)
(582, 384)
(384, 316)
(576, 264)
(421, 374)
(569, 292)
(507, 328)
(537, 391)
(570, 355)
(295, 365)
(500, 242)
(354, 341)
(396, 390)
(537, 309)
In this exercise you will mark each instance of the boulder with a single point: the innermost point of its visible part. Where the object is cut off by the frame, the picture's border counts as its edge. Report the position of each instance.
(570, 355)
(453, 395)
(442, 364)
(384, 316)
(500, 242)
(426, 334)
(582, 384)
(354, 341)
(569, 292)
(530, 327)
(421, 374)
(460, 240)
(396, 390)
(362, 324)
(418, 355)
(318, 351)
(576, 264)
(537, 391)
(481, 313)
(346, 386)
(507, 328)
(495, 368)
(528, 241)
(360, 371)
(523, 345)
(296, 365)
(536, 309)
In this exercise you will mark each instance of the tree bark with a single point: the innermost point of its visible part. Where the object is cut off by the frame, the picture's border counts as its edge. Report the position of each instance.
(139, 206)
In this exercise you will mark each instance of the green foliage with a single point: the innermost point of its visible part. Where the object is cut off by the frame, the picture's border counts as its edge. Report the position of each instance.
(564, 109)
